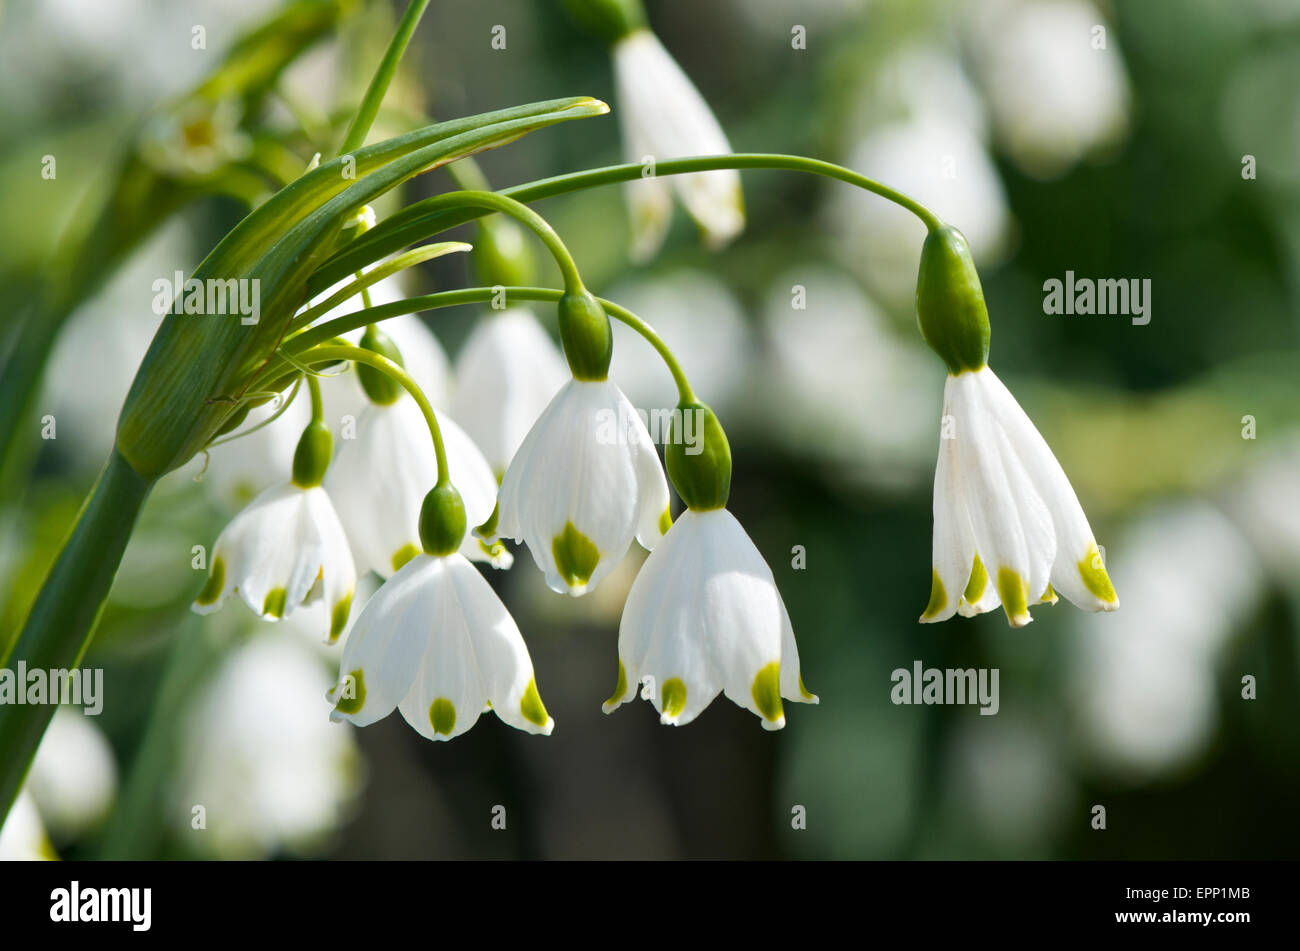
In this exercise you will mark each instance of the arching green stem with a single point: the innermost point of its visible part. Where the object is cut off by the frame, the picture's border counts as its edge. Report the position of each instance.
(317, 404)
(432, 216)
(309, 341)
(333, 352)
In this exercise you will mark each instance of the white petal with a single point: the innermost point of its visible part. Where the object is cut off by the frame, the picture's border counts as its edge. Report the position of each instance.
(475, 656)
(664, 116)
(506, 373)
(953, 542)
(1076, 544)
(386, 645)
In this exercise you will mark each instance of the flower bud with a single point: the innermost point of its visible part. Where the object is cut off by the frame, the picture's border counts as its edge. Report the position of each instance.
(700, 468)
(503, 254)
(379, 386)
(586, 335)
(609, 19)
(312, 457)
(950, 302)
(442, 521)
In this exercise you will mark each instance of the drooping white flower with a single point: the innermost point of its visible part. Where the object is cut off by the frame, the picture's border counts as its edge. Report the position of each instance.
(379, 480)
(663, 116)
(22, 836)
(1008, 528)
(583, 484)
(506, 373)
(437, 643)
(285, 547)
(704, 617)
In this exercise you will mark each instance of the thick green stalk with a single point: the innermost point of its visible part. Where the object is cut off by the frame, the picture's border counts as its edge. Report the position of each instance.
(62, 620)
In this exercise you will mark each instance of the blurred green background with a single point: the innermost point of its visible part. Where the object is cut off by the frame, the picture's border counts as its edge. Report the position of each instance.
(1171, 154)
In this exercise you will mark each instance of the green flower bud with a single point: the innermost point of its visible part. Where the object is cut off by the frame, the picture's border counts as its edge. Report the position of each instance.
(950, 302)
(700, 468)
(379, 386)
(586, 335)
(442, 521)
(312, 457)
(611, 20)
(503, 254)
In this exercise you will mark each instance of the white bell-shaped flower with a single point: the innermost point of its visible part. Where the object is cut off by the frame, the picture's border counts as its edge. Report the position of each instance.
(583, 484)
(1008, 528)
(663, 116)
(506, 373)
(437, 643)
(286, 547)
(379, 479)
(704, 617)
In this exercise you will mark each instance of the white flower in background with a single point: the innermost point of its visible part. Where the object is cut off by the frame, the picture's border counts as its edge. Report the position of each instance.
(422, 357)
(22, 838)
(379, 480)
(1008, 528)
(663, 116)
(272, 773)
(506, 373)
(437, 643)
(688, 306)
(1262, 503)
(585, 482)
(73, 778)
(940, 162)
(831, 358)
(1055, 94)
(287, 545)
(704, 617)
(1144, 684)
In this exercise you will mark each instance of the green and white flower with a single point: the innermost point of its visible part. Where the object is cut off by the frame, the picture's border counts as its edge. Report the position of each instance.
(379, 479)
(437, 643)
(285, 548)
(1008, 527)
(583, 484)
(506, 373)
(704, 617)
(663, 116)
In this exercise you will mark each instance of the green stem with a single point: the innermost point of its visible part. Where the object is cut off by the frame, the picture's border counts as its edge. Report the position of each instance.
(317, 404)
(59, 628)
(333, 352)
(308, 342)
(498, 201)
(369, 108)
(429, 217)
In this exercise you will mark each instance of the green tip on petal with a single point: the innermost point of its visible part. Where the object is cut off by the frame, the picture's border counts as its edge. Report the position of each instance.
(216, 582)
(576, 556)
(672, 697)
(938, 598)
(620, 688)
(805, 692)
(1049, 596)
(339, 617)
(979, 580)
(273, 606)
(353, 695)
(442, 716)
(767, 692)
(665, 521)
(403, 555)
(531, 705)
(1095, 578)
(1014, 593)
